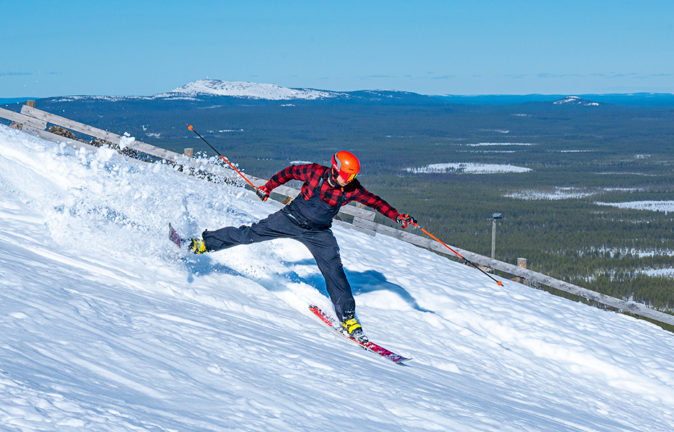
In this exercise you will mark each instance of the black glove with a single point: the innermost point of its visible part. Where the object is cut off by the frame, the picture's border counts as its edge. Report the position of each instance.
(263, 193)
(405, 219)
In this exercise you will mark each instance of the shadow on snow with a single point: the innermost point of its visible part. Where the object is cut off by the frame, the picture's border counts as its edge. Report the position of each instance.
(361, 282)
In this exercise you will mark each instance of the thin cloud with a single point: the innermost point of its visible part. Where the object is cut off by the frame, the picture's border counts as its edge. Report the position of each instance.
(379, 76)
(608, 75)
(9, 74)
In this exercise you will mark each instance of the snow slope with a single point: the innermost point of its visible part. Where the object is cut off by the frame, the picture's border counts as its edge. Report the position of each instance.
(105, 325)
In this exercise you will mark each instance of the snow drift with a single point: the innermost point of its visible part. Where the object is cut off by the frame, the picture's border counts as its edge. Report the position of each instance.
(105, 325)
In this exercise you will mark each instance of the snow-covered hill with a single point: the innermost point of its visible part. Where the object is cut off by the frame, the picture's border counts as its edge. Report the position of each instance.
(106, 326)
(248, 90)
(575, 100)
(196, 90)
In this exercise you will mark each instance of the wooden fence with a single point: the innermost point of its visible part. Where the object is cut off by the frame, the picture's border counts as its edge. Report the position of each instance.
(35, 121)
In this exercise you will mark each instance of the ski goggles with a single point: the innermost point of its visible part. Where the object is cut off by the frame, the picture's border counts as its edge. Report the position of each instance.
(347, 177)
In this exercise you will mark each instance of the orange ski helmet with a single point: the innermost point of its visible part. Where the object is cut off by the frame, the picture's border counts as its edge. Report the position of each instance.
(346, 165)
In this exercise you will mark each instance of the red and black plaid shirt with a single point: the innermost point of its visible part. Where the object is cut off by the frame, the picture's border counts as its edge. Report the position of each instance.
(311, 175)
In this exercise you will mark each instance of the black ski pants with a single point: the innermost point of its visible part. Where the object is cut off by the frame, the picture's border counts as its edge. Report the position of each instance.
(320, 242)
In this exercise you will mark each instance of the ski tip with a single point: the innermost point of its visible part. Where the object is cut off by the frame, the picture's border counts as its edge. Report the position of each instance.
(174, 237)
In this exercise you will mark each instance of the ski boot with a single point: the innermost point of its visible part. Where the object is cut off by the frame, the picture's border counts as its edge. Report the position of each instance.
(352, 327)
(197, 246)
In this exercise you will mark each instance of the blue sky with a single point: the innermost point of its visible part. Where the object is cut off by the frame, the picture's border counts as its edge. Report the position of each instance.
(138, 47)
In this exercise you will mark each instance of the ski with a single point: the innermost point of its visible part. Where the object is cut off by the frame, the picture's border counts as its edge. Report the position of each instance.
(175, 237)
(369, 346)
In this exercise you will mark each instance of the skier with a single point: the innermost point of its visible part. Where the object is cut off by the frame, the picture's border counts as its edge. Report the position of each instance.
(308, 219)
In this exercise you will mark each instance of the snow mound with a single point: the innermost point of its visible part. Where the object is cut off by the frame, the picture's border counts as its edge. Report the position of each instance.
(246, 89)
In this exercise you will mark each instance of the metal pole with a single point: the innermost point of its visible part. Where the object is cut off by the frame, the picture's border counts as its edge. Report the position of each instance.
(494, 218)
(493, 238)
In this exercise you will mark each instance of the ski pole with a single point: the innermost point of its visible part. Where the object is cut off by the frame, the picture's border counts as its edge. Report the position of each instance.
(457, 254)
(190, 127)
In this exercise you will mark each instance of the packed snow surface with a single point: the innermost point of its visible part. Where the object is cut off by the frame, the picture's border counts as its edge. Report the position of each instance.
(248, 89)
(106, 326)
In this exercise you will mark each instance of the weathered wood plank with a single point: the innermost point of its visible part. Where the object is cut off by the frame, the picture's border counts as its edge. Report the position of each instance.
(102, 134)
(367, 215)
(70, 124)
(59, 139)
(159, 152)
(352, 226)
(23, 119)
(362, 226)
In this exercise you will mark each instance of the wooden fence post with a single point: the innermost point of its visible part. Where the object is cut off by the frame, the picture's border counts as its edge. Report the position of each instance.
(522, 263)
(362, 222)
(189, 152)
